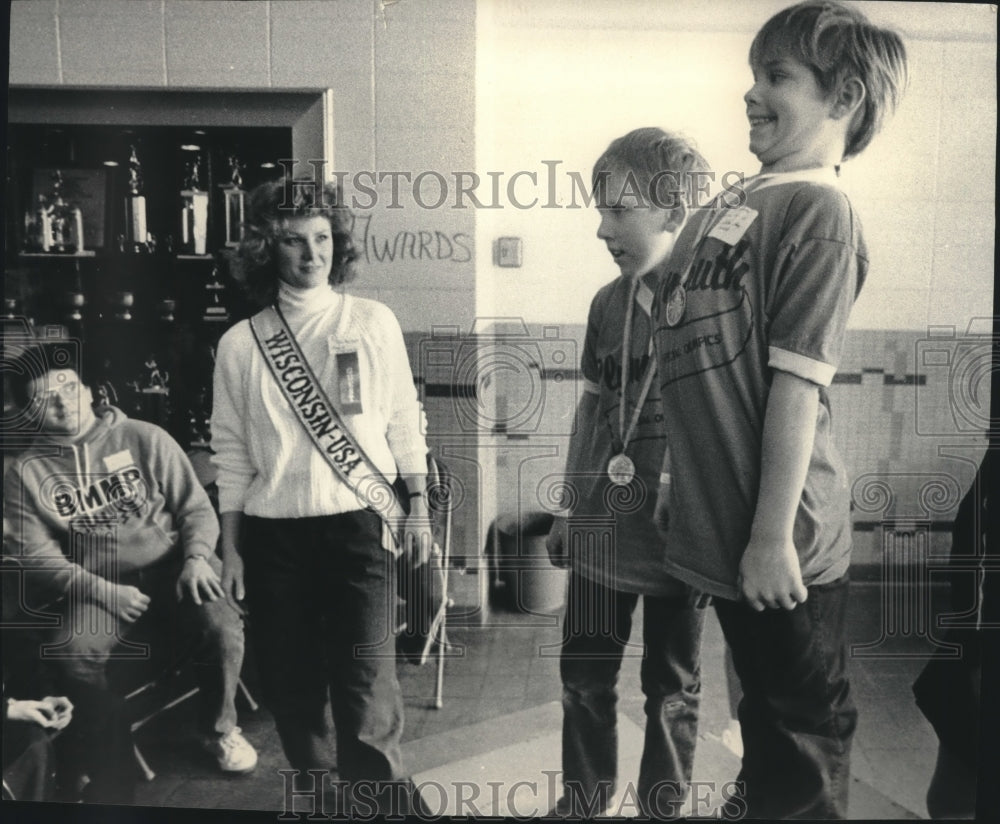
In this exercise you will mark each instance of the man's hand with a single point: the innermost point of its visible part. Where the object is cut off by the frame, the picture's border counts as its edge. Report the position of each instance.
(125, 601)
(557, 543)
(62, 708)
(34, 712)
(199, 580)
(770, 574)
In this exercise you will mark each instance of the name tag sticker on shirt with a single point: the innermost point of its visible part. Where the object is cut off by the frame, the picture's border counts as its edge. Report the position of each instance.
(348, 383)
(733, 224)
(112, 463)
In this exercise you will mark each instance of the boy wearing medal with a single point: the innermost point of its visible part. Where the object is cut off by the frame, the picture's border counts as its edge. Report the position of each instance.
(749, 322)
(612, 472)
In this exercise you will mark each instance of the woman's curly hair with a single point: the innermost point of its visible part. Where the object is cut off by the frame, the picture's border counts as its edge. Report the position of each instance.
(269, 208)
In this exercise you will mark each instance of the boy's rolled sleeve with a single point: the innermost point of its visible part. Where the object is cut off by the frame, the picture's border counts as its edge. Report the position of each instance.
(819, 271)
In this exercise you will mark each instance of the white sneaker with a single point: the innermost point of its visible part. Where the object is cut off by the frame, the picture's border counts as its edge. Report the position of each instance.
(232, 752)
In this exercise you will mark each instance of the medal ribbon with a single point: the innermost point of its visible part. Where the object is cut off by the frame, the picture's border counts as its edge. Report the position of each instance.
(647, 379)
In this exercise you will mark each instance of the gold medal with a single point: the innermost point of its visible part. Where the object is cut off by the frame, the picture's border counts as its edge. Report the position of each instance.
(673, 312)
(621, 470)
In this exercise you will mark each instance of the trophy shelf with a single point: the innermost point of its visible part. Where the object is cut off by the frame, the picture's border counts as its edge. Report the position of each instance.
(86, 253)
(122, 213)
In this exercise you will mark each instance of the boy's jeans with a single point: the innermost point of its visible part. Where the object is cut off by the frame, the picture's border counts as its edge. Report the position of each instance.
(796, 715)
(597, 626)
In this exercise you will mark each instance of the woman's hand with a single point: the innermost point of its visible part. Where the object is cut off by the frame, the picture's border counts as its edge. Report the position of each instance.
(416, 536)
(232, 577)
(231, 580)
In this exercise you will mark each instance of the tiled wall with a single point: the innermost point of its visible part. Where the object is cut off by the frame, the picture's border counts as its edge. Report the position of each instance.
(910, 410)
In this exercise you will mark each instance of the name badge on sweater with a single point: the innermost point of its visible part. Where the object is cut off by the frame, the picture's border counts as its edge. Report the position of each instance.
(733, 224)
(119, 460)
(348, 383)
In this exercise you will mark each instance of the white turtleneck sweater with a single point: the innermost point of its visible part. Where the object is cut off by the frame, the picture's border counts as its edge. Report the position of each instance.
(268, 465)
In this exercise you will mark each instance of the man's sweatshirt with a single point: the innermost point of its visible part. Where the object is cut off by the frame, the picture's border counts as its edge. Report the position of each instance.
(120, 499)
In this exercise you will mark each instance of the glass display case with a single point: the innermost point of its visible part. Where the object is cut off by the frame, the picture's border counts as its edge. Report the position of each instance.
(123, 210)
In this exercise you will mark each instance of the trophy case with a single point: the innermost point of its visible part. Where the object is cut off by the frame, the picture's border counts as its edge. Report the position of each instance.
(120, 231)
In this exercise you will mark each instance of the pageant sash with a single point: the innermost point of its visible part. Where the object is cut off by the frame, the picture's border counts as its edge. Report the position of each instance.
(319, 417)
(421, 586)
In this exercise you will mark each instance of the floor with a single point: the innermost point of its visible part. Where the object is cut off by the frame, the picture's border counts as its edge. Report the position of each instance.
(508, 675)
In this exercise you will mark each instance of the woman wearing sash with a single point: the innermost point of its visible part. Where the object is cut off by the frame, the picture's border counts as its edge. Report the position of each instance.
(314, 406)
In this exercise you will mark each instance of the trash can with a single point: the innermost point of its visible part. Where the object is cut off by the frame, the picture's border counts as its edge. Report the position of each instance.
(531, 582)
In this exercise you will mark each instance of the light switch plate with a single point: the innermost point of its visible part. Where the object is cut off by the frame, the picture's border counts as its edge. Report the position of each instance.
(508, 251)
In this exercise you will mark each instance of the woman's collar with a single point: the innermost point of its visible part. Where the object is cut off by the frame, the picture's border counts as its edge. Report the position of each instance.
(309, 298)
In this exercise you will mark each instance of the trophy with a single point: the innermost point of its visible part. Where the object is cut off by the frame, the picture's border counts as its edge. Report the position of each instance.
(199, 421)
(123, 303)
(56, 226)
(156, 379)
(166, 309)
(194, 211)
(37, 231)
(215, 309)
(234, 199)
(75, 301)
(136, 234)
(150, 399)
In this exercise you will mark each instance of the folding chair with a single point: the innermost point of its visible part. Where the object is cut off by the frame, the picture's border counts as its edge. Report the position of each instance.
(158, 684)
(442, 502)
(421, 626)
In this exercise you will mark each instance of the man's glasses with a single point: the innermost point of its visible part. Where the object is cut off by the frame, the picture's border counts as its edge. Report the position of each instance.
(68, 391)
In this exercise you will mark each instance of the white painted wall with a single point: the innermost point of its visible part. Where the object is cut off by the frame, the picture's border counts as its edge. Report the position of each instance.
(560, 80)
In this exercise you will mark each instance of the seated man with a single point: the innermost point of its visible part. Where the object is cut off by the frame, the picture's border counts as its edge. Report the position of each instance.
(117, 537)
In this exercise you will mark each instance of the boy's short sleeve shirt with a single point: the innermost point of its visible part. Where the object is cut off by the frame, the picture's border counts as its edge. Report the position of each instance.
(772, 294)
(632, 558)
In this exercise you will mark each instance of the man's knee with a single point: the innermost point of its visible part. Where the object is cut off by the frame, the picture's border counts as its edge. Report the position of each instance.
(221, 627)
(596, 697)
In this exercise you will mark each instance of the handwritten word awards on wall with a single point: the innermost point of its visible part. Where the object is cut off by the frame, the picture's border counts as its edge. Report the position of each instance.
(411, 244)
